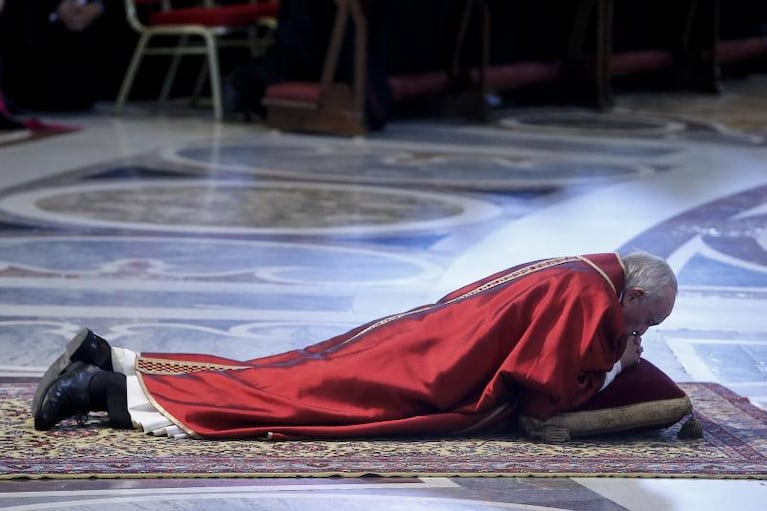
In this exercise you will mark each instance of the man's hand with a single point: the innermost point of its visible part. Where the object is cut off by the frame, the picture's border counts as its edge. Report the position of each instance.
(633, 351)
(77, 15)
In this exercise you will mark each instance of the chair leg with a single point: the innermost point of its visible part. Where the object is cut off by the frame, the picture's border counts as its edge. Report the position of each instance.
(262, 36)
(130, 74)
(170, 76)
(215, 77)
(604, 90)
(200, 82)
(253, 42)
(591, 79)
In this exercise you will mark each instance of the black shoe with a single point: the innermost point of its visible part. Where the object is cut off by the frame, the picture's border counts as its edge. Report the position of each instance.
(68, 396)
(84, 347)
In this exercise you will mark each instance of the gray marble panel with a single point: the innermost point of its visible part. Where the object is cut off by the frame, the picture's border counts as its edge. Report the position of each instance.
(36, 343)
(405, 166)
(484, 138)
(201, 259)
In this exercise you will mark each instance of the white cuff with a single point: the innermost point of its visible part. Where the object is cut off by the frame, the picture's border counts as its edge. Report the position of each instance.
(609, 377)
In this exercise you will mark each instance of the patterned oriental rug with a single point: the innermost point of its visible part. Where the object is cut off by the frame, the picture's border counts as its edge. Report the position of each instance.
(734, 446)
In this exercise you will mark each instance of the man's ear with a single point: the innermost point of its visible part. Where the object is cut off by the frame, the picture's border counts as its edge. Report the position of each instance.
(634, 293)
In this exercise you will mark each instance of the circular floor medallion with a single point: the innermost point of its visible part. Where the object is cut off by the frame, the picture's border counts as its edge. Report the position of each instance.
(610, 123)
(372, 164)
(247, 207)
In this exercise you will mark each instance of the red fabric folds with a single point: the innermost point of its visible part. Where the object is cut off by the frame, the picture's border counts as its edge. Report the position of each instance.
(536, 338)
(641, 383)
(238, 15)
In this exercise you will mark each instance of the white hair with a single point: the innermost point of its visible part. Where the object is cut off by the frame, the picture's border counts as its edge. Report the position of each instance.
(648, 272)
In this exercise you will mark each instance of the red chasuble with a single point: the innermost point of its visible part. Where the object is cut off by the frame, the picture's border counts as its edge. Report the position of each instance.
(535, 339)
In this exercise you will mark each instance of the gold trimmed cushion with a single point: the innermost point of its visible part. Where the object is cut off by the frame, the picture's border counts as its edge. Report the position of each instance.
(641, 398)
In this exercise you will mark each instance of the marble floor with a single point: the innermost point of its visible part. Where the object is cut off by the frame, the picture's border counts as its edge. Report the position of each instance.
(167, 232)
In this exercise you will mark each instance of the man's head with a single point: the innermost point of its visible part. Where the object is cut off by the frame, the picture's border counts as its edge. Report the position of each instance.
(649, 291)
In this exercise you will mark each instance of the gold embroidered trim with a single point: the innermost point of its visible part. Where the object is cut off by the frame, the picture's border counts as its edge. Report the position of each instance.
(542, 265)
(532, 268)
(620, 261)
(157, 406)
(161, 366)
(600, 271)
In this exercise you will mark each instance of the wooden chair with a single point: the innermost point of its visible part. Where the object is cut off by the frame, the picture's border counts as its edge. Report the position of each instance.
(328, 106)
(199, 31)
(691, 57)
(593, 72)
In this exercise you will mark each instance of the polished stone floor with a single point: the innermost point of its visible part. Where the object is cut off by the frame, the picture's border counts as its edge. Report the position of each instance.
(168, 232)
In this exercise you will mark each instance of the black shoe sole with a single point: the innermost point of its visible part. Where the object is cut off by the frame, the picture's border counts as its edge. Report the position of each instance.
(56, 368)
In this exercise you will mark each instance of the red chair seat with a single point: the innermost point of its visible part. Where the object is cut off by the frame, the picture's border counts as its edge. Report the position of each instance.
(298, 92)
(741, 49)
(520, 74)
(416, 85)
(240, 15)
(640, 61)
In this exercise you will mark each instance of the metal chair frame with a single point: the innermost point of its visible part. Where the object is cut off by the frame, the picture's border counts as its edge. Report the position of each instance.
(209, 47)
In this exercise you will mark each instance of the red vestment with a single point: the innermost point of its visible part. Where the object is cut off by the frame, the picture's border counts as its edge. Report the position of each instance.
(535, 339)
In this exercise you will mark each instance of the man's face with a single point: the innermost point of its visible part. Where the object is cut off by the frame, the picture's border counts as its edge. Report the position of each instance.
(640, 312)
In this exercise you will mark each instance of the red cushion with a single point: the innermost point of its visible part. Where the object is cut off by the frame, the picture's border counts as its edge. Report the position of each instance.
(638, 384)
(640, 61)
(641, 398)
(302, 92)
(238, 15)
(741, 49)
(414, 85)
(519, 74)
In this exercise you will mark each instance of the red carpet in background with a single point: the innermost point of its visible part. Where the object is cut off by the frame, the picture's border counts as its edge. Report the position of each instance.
(13, 130)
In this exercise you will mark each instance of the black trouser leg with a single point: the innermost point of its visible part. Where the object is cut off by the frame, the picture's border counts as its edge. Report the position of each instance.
(108, 392)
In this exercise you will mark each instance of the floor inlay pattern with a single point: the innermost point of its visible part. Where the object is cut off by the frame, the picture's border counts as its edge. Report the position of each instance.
(244, 242)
